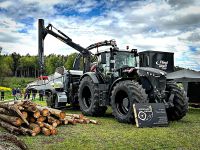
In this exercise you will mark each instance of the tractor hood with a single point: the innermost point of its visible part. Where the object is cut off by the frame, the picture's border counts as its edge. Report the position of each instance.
(150, 71)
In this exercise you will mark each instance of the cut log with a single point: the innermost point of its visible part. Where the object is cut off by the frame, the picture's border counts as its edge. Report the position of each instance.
(10, 128)
(16, 121)
(35, 128)
(26, 131)
(52, 121)
(58, 113)
(54, 131)
(14, 108)
(64, 121)
(48, 126)
(25, 114)
(41, 119)
(86, 120)
(41, 124)
(58, 122)
(5, 111)
(29, 106)
(76, 116)
(79, 120)
(36, 114)
(93, 121)
(43, 110)
(32, 119)
(70, 120)
(46, 131)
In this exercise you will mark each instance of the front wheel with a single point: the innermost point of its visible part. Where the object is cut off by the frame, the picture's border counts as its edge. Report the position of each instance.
(180, 102)
(88, 97)
(124, 95)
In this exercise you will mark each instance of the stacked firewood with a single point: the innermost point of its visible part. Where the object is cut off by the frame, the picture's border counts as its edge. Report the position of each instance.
(28, 118)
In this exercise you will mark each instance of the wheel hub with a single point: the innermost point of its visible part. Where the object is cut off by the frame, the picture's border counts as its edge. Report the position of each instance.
(125, 103)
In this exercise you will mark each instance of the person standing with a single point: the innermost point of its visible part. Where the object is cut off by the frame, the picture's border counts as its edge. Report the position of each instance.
(14, 92)
(34, 92)
(41, 94)
(2, 95)
(27, 94)
(18, 93)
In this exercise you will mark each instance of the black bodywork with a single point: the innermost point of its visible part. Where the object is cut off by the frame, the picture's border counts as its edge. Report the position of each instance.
(156, 59)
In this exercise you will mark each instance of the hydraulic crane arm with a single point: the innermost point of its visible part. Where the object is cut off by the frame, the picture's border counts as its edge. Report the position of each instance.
(103, 43)
(76, 65)
(43, 31)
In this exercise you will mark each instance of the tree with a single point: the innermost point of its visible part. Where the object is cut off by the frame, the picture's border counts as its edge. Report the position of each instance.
(16, 58)
(70, 61)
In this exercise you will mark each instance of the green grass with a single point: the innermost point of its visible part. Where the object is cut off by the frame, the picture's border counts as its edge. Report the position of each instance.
(111, 134)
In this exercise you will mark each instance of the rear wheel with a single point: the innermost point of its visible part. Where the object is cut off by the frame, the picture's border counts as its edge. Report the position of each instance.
(180, 102)
(124, 95)
(89, 98)
(52, 101)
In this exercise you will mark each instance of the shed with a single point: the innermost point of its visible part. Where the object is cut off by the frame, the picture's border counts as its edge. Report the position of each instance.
(191, 83)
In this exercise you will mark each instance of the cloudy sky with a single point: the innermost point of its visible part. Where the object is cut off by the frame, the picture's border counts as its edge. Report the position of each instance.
(163, 25)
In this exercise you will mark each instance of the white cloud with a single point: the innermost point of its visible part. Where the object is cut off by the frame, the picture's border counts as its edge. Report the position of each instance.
(157, 25)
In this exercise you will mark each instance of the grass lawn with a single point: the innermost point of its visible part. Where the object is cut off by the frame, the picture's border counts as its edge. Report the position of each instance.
(110, 134)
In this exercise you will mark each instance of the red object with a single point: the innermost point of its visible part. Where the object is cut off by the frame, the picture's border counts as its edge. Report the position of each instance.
(43, 77)
(93, 68)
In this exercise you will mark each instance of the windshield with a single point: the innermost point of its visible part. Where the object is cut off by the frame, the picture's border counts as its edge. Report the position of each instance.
(124, 59)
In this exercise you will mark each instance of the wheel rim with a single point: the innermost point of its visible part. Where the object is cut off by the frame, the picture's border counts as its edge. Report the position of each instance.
(122, 102)
(86, 96)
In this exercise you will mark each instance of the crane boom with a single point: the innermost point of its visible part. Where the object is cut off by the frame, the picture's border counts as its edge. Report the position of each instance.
(43, 31)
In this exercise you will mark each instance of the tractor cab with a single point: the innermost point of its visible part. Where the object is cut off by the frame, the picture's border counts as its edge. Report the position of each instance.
(116, 61)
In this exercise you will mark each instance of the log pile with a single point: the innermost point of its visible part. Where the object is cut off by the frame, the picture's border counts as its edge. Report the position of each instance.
(28, 118)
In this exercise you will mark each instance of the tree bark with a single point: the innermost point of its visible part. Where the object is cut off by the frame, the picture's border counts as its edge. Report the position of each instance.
(16, 121)
(10, 127)
(14, 108)
(27, 131)
(76, 116)
(5, 111)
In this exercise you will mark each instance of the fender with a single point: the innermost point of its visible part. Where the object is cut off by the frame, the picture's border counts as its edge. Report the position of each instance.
(92, 75)
(116, 81)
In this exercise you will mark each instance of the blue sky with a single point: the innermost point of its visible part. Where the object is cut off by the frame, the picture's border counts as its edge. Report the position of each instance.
(163, 25)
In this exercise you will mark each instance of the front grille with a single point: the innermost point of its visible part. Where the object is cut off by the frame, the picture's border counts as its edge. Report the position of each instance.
(161, 83)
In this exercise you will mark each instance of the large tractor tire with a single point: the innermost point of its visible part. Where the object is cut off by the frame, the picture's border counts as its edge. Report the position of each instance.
(124, 95)
(88, 98)
(180, 102)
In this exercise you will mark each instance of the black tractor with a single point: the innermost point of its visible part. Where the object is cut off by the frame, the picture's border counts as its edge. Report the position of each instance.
(122, 78)
(111, 77)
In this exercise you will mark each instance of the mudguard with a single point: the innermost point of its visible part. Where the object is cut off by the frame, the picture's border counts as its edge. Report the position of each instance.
(92, 75)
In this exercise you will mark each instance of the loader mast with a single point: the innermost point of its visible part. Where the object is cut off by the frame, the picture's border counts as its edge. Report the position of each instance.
(43, 31)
